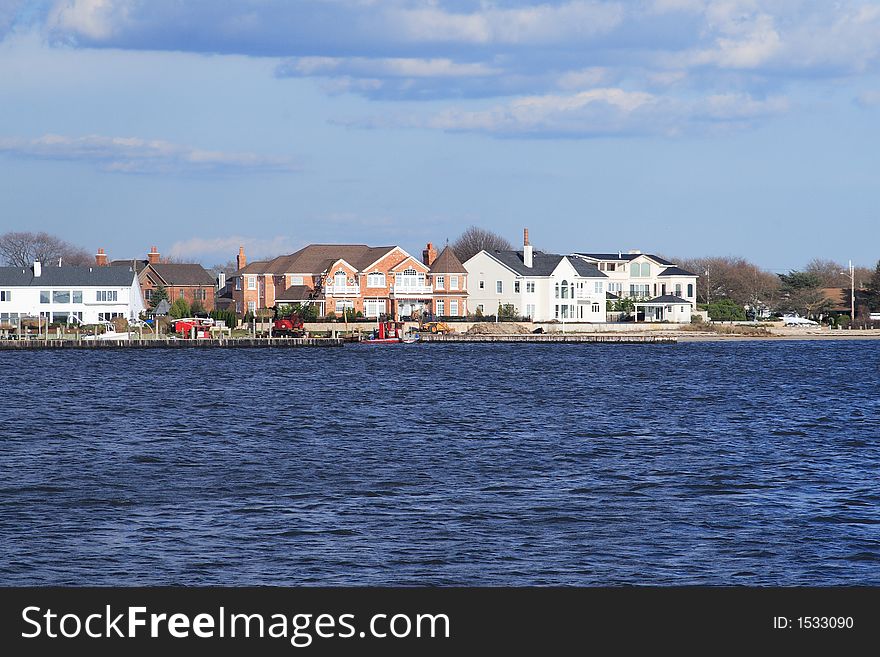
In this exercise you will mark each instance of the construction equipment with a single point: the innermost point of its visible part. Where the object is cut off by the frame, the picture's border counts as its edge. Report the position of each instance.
(289, 326)
(436, 327)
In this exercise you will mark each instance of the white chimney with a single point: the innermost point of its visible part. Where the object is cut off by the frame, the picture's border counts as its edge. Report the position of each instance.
(527, 249)
(38, 269)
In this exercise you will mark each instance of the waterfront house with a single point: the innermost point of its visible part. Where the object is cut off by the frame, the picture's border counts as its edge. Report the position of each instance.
(188, 281)
(448, 278)
(69, 294)
(372, 280)
(643, 276)
(542, 286)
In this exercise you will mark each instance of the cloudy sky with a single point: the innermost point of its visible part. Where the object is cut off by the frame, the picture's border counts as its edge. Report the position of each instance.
(683, 127)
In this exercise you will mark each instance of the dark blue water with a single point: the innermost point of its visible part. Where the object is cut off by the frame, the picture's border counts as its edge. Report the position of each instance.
(737, 463)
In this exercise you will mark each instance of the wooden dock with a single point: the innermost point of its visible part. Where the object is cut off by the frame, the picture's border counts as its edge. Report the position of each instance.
(552, 337)
(136, 343)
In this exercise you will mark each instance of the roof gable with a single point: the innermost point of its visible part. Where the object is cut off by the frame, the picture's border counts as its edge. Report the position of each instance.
(447, 263)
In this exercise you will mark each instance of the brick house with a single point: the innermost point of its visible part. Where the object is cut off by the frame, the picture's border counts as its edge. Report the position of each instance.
(448, 278)
(189, 281)
(372, 280)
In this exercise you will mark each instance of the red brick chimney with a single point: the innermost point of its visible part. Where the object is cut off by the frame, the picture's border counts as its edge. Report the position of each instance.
(153, 255)
(240, 260)
(527, 249)
(429, 254)
(101, 258)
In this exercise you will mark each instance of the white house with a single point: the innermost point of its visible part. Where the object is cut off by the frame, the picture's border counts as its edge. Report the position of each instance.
(69, 294)
(543, 286)
(663, 290)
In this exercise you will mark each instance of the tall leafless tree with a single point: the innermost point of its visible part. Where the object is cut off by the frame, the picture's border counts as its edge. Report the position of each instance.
(475, 239)
(21, 249)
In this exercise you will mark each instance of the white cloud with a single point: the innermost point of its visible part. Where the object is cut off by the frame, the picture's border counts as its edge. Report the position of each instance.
(93, 19)
(137, 155)
(603, 112)
(868, 99)
(408, 67)
(541, 24)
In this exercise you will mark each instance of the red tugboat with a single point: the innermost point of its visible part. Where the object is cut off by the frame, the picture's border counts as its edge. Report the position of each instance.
(390, 332)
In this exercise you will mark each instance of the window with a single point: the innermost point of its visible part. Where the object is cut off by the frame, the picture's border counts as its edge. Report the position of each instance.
(252, 282)
(376, 279)
(482, 285)
(238, 307)
(516, 286)
(252, 306)
(596, 307)
(678, 289)
(200, 294)
(453, 307)
(441, 307)
(180, 293)
(530, 287)
(557, 311)
(439, 282)
(557, 290)
(296, 280)
(373, 307)
(108, 317)
(616, 288)
(499, 287)
(635, 270)
(44, 296)
(564, 288)
(238, 285)
(690, 289)
(530, 310)
(480, 308)
(61, 296)
(453, 282)
(106, 295)
(646, 269)
(597, 287)
(610, 266)
(344, 304)
(148, 294)
(5, 295)
(409, 278)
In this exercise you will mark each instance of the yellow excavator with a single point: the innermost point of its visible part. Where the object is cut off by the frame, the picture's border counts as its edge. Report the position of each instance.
(436, 327)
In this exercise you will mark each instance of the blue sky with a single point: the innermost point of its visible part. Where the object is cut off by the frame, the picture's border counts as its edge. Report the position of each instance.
(683, 127)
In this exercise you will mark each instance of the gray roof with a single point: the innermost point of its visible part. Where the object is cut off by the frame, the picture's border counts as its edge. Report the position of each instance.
(69, 276)
(665, 298)
(586, 269)
(675, 271)
(543, 264)
(625, 257)
(162, 308)
(295, 293)
(611, 296)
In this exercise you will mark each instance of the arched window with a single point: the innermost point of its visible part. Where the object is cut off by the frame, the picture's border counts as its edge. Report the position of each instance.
(690, 289)
(646, 269)
(634, 270)
(565, 289)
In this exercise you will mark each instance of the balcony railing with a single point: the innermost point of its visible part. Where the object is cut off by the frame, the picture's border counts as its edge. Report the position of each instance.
(411, 290)
(341, 290)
